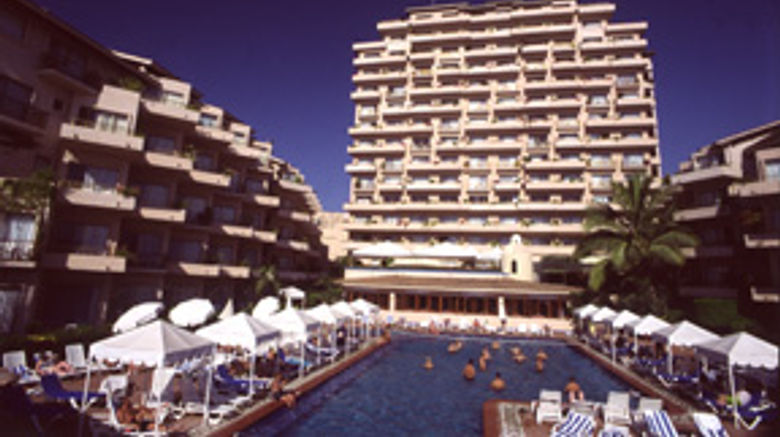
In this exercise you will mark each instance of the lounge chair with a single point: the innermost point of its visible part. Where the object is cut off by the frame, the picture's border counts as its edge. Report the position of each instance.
(224, 377)
(576, 424)
(617, 410)
(709, 425)
(16, 362)
(614, 431)
(753, 414)
(646, 404)
(659, 424)
(548, 408)
(52, 387)
(14, 400)
(74, 355)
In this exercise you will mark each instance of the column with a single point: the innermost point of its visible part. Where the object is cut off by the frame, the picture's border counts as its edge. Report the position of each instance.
(392, 302)
(501, 305)
(441, 298)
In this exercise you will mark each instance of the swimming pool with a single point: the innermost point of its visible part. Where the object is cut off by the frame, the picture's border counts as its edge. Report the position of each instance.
(391, 394)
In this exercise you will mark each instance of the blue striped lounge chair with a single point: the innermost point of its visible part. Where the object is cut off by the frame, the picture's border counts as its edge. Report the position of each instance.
(709, 425)
(659, 424)
(575, 425)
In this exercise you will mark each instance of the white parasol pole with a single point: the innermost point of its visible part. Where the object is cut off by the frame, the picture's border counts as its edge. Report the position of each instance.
(253, 357)
(207, 401)
(733, 393)
(669, 358)
(86, 387)
(300, 366)
(319, 345)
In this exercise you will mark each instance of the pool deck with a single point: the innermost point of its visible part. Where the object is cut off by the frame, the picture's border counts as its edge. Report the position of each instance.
(306, 384)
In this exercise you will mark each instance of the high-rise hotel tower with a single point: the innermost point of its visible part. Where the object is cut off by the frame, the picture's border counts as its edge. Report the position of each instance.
(477, 122)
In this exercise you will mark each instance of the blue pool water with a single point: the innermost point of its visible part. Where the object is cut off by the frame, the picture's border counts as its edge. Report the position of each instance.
(391, 394)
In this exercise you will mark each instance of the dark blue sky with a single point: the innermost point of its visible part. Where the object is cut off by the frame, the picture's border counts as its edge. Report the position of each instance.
(285, 66)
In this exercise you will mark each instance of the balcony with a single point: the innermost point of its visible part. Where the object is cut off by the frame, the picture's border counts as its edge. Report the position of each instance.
(292, 185)
(755, 189)
(84, 132)
(265, 236)
(715, 172)
(768, 294)
(162, 214)
(194, 269)
(84, 262)
(434, 186)
(360, 167)
(56, 71)
(236, 231)
(170, 111)
(378, 60)
(551, 185)
(297, 216)
(297, 245)
(97, 199)
(171, 162)
(22, 117)
(700, 213)
(762, 241)
(246, 151)
(563, 164)
(214, 133)
(364, 95)
(17, 253)
(264, 199)
(210, 178)
(236, 272)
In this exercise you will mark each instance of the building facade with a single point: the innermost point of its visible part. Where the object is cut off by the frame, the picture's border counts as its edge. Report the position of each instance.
(730, 197)
(334, 233)
(155, 194)
(476, 123)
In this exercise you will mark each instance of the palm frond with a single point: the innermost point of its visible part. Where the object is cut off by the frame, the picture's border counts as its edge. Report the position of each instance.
(598, 275)
(666, 255)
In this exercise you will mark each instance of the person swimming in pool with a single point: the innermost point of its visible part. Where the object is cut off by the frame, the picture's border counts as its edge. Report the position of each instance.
(519, 358)
(469, 372)
(482, 363)
(495, 345)
(498, 384)
(541, 355)
(539, 365)
(455, 346)
(486, 353)
(428, 365)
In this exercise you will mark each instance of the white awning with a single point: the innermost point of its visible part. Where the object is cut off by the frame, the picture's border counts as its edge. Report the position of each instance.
(158, 343)
(493, 255)
(741, 349)
(445, 250)
(684, 333)
(364, 307)
(646, 325)
(601, 315)
(323, 314)
(342, 310)
(585, 311)
(295, 325)
(382, 250)
(621, 319)
(241, 330)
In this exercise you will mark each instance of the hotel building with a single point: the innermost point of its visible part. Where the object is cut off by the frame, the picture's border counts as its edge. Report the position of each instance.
(730, 197)
(476, 123)
(156, 195)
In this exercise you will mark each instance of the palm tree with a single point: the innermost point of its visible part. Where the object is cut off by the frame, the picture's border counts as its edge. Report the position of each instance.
(638, 242)
(266, 281)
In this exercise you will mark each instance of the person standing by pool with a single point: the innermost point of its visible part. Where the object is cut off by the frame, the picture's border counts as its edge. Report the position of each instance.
(574, 391)
(498, 384)
(469, 372)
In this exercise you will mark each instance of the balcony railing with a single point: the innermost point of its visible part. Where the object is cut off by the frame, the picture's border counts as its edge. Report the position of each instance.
(16, 250)
(89, 78)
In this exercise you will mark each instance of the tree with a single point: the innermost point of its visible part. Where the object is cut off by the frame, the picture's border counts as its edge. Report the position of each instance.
(638, 244)
(266, 281)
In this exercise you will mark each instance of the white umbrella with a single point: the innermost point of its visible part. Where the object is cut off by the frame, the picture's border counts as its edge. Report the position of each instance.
(157, 344)
(446, 250)
(616, 322)
(382, 250)
(585, 311)
(244, 331)
(685, 334)
(366, 309)
(137, 315)
(742, 350)
(601, 315)
(265, 307)
(192, 312)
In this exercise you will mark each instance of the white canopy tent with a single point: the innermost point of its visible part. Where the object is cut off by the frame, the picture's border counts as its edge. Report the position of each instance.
(368, 311)
(243, 331)
(158, 344)
(382, 250)
(295, 327)
(192, 312)
(292, 293)
(601, 315)
(740, 350)
(685, 334)
(647, 325)
(265, 307)
(323, 314)
(227, 311)
(618, 321)
(584, 311)
(344, 311)
(446, 250)
(137, 315)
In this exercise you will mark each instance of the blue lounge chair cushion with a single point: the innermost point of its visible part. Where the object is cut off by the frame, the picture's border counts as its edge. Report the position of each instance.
(53, 388)
(659, 424)
(576, 424)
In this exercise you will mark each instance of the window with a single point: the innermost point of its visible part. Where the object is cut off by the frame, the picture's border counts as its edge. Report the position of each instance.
(224, 214)
(148, 244)
(204, 162)
(11, 24)
(772, 170)
(14, 98)
(17, 236)
(111, 122)
(255, 186)
(154, 196)
(208, 120)
(160, 144)
(194, 206)
(239, 137)
(100, 179)
(185, 250)
(173, 98)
